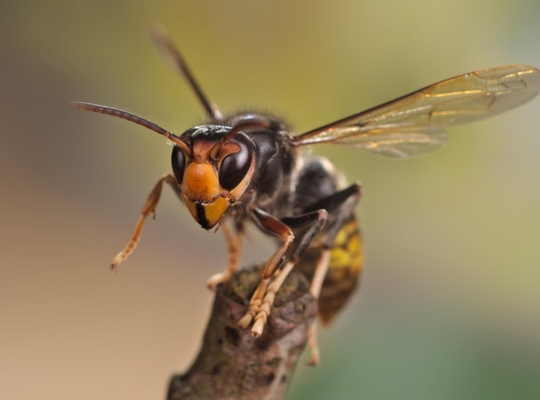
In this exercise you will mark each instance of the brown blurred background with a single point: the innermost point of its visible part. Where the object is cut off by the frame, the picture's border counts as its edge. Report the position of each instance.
(450, 301)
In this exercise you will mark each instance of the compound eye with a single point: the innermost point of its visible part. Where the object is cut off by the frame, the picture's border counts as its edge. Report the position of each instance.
(235, 166)
(178, 160)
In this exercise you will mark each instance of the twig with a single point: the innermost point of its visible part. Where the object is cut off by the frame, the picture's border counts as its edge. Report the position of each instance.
(234, 365)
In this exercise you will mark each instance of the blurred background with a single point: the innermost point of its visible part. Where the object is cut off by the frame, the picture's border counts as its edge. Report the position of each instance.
(449, 305)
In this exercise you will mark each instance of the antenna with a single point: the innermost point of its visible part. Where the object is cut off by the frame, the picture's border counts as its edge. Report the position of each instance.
(169, 51)
(115, 112)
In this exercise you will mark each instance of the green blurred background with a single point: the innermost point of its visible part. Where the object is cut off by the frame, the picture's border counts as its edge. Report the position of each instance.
(449, 306)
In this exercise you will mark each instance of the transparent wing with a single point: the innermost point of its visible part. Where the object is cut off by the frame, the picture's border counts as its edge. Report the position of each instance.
(414, 124)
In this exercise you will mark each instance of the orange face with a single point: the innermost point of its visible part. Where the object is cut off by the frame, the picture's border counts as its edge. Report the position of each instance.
(212, 176)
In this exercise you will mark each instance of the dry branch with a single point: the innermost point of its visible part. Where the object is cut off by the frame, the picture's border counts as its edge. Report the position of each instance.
(234, 365)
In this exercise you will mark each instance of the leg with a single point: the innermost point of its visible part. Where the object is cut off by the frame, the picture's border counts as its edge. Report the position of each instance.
(266, 305)
(277, 228)
(340, 205)
(268, 301)
(320, 273)
(149, 208)
(316, 285)
(235, 250)
(263, 298)
(315, 356)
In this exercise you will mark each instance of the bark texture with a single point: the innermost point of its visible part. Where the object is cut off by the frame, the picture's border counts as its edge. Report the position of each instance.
(234, 365)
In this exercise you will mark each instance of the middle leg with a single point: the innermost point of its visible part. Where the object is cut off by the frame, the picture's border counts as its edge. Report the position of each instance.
(234, 244)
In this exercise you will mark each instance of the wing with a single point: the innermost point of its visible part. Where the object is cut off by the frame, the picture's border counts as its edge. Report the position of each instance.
(414, 124)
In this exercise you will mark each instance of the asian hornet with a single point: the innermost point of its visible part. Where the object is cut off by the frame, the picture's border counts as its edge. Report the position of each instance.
(248, 166)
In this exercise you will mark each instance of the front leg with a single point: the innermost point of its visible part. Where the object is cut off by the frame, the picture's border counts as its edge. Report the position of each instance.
(275, 227)
(149, 208)
(264, 296)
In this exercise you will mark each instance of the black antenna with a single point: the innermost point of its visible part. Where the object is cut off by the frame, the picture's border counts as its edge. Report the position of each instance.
(115, 112)
(173, 56)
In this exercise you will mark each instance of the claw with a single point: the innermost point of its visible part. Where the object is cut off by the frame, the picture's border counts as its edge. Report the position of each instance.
(116, 261)
(314, 358)
(258, 326)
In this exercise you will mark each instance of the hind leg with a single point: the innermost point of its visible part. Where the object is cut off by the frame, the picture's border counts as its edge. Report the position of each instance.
(340, 205)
